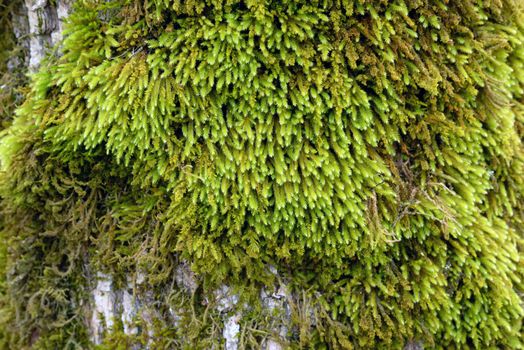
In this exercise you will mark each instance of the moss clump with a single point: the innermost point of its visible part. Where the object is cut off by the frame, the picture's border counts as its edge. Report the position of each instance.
(370, 151)
(12, 78)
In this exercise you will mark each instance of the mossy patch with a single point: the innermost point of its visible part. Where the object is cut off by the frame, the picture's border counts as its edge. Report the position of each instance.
(369, 151)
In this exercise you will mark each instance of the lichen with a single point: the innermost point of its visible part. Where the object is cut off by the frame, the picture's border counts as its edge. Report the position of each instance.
(370, 152)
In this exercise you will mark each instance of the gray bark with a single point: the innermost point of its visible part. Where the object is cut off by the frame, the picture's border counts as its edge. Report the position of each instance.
(45, 25)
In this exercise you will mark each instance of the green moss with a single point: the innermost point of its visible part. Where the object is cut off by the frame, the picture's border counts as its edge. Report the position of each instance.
(11, 81)
(369, 151)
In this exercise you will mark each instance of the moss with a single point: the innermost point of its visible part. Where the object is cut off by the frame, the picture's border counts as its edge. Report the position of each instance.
(369, 151)
(12, 79)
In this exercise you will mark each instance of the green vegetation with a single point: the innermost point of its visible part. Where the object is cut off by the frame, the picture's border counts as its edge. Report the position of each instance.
(370, 151)
(12, 78)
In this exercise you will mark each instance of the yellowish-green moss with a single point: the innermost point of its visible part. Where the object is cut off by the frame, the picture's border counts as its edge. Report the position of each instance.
(370, 151)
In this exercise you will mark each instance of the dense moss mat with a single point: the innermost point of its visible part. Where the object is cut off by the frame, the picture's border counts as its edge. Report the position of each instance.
(12, 79)
(370, 151)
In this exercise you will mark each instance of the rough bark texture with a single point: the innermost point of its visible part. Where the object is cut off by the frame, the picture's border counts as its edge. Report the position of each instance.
(45, 27)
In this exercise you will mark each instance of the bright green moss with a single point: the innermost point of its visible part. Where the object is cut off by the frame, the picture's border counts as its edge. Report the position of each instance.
(370, 151)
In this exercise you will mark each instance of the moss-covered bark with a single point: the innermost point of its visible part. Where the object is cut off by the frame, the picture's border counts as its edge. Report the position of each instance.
(365, 157)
